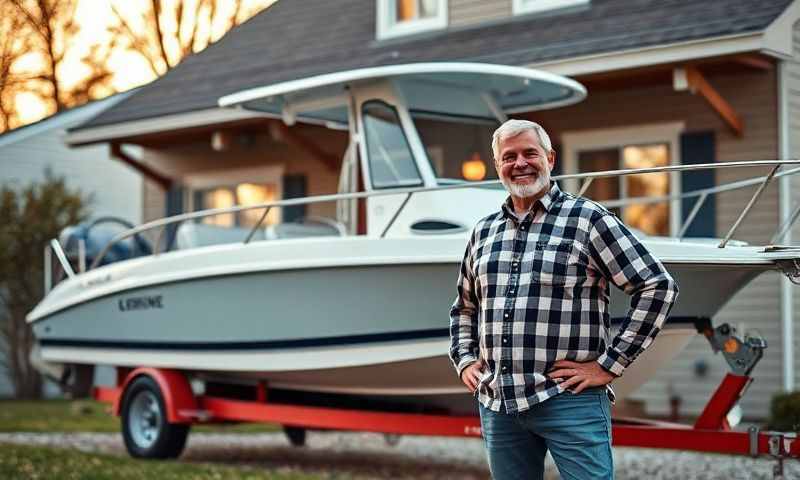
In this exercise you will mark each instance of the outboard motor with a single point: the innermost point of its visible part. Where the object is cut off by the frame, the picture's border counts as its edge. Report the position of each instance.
(95, 235)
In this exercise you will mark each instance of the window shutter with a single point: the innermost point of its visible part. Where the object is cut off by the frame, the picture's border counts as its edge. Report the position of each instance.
(294, 186)
(174, 207)
(174, 200)
(699, 147)
(558, 167)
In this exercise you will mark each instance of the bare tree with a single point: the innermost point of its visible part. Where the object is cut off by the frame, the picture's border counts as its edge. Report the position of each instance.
(167, 31)
(53, 27)
(13, 45)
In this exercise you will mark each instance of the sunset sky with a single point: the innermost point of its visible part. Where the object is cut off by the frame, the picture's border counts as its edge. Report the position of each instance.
(130, 69)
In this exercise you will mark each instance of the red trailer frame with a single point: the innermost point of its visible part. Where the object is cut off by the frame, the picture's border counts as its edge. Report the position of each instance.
(710, 433)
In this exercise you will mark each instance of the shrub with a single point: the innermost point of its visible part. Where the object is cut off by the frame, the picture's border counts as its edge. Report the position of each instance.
(785, 412)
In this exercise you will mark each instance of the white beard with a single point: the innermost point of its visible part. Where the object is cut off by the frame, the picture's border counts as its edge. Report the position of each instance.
(527, 190)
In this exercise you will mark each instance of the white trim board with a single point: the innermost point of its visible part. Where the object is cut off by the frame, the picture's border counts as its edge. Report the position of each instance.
(164, 123)
(387, 26)
(669, 133)
(661, 54)
(522, 7)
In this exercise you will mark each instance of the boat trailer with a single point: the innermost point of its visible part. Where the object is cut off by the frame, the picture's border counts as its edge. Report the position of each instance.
(157, 407)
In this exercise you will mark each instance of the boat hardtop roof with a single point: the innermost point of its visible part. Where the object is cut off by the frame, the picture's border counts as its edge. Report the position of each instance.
(453, 88)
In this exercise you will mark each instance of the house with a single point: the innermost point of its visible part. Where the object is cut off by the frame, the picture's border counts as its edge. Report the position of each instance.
(669, 83)
(26, 153)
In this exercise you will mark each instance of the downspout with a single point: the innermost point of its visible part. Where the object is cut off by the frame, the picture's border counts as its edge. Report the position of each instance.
(785, 210)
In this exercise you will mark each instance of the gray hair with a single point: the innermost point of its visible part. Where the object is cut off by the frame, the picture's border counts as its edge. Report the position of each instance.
(512, 128)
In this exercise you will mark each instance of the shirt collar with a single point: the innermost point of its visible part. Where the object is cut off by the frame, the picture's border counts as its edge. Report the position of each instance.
(546, 201)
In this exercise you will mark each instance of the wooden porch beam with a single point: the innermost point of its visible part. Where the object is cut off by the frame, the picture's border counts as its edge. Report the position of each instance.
(149, 173)
(280, 131)
(755, 61)
(691, 78)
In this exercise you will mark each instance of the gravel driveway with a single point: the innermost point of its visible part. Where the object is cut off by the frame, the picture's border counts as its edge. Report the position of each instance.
(366, 455)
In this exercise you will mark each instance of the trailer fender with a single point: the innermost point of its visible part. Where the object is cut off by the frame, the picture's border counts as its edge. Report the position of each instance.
(179, 399)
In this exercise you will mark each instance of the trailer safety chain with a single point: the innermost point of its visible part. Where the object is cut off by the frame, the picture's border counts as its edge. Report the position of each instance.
(741, 355)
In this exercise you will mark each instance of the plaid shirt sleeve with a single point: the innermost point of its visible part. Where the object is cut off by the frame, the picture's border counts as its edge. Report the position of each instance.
(619, 255)
(464, 315)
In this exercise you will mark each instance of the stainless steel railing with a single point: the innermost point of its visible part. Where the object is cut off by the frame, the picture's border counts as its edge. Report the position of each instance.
(763, 182)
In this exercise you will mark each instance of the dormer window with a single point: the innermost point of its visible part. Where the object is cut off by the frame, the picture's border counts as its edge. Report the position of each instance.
(406, 17)
(531, 6)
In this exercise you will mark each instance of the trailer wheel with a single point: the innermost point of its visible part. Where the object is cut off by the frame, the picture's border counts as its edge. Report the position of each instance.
(296, 435)
(391, 439)
(145, 428)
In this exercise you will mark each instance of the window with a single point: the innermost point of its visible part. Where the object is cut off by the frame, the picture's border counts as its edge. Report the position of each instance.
(241, 194)
(404, 17)
(249, 186)
(642, 147)
(651, 218)
(391, 163)
(530, 6)
(459, 148)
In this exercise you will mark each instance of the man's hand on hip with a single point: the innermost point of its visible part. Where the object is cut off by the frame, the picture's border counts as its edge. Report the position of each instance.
(579, 375)
(472, 375)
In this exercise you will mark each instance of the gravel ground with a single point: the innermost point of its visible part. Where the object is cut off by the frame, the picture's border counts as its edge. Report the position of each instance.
(366, 455)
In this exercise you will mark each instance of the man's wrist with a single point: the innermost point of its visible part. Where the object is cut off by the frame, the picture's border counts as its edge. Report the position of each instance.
(613, 363)
(465, 362)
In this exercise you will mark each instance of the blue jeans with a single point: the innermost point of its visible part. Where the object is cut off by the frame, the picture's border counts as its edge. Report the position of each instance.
(575, 428)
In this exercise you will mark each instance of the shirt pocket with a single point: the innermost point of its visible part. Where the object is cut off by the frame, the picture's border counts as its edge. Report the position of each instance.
(554, 264)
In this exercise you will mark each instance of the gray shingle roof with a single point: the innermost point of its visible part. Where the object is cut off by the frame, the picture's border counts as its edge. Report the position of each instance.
(298, 38)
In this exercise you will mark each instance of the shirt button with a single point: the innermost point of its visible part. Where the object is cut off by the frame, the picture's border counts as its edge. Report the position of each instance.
(505, 340)
(523, 227)
(506, 315)
(505, 369)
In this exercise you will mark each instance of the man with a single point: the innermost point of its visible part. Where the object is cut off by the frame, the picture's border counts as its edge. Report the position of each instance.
(530, 325)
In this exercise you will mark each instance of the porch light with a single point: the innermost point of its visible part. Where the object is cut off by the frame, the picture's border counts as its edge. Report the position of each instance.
(473, 169)
(221, 140)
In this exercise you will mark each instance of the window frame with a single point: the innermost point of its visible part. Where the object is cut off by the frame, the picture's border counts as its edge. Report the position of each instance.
(387, 25)
(365, 136)
(212, 179)
(608, 138)
(522, 7)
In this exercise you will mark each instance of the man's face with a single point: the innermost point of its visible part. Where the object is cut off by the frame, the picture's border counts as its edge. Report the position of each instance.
(523, 165)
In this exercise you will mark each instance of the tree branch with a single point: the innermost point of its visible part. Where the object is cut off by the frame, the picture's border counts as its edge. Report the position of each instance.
(134, 41)
(156, 4)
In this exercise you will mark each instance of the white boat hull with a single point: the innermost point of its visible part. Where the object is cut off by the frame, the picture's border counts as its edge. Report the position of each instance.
(371, 324)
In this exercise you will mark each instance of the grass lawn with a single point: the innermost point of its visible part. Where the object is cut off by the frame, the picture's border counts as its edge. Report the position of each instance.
(83, 416)
(26, 462)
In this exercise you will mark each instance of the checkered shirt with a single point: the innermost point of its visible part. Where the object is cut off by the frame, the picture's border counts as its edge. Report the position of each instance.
(531, 293)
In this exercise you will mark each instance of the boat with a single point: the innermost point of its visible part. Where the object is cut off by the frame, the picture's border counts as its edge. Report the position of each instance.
(354, 308)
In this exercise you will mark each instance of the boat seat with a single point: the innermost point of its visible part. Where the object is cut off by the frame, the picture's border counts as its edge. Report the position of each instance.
(306, 227)
(193, 235)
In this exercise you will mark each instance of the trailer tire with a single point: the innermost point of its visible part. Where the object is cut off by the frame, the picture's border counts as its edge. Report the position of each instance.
(145, 428)
(296, 435)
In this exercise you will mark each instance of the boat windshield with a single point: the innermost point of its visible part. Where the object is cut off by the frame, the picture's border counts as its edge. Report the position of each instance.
(459, 148)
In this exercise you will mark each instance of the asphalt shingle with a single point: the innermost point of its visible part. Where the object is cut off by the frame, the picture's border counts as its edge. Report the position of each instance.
(299, 38)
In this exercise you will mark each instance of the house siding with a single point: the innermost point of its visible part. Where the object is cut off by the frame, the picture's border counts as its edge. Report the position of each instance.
(470, 12)
(179, 161)
(757, 307)
(792, 88)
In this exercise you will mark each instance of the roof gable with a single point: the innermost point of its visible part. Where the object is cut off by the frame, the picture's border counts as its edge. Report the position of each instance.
(294, 39)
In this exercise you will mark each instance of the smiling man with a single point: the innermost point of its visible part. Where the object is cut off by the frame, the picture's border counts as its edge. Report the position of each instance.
(530, 324)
